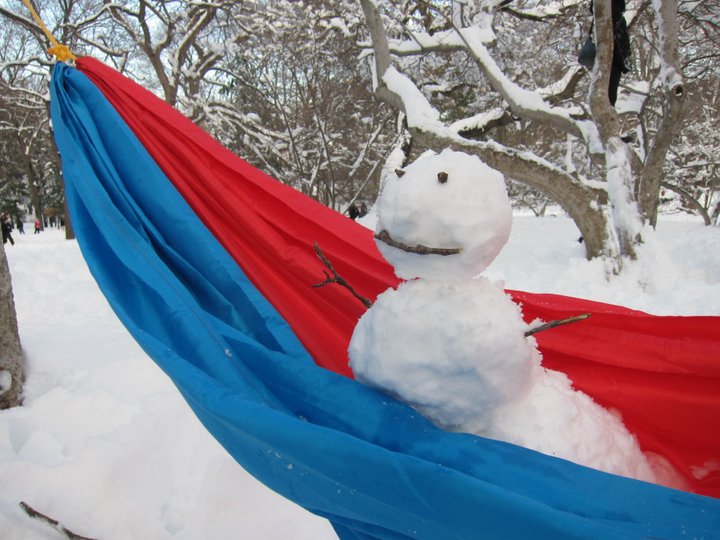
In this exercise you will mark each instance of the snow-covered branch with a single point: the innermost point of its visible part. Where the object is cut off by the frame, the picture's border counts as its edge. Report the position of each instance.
(544, 12)
(525, 103)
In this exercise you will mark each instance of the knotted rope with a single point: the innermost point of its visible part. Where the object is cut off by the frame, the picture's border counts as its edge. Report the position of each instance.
(58, 50)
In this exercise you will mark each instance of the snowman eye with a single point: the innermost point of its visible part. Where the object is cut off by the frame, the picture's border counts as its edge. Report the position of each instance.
(399, 172)
(442, 177)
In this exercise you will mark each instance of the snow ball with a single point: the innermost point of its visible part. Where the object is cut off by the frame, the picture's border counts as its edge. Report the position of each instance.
(453, 351)
(450, 201)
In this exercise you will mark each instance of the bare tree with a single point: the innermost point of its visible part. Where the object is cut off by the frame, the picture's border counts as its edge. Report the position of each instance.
(32, 162)
(616, 191)
(275, 82)
(692, 171)
(309, 116)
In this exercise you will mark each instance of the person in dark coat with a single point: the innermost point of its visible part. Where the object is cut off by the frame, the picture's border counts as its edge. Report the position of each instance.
(353, 211)
(7, 230)
(621, 49)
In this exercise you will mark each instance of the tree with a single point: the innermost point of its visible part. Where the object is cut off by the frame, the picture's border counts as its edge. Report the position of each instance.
(693, 170)
(309, 116)
(475, 76)
(11, 365)
(276, 82)
(32, 166)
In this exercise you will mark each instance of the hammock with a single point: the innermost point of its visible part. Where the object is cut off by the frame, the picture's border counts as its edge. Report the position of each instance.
(210, 264)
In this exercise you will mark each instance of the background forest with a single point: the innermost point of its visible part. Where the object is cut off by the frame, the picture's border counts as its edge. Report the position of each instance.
(290, 86)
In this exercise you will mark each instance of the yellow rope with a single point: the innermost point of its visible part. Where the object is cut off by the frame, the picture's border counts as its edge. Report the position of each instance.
(58, 50)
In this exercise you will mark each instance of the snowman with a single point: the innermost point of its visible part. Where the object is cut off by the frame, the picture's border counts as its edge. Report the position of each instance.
(452, 344)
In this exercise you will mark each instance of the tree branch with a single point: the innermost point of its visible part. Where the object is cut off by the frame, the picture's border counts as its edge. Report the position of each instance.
(52, 522)
(337, 278)
(542, 14)
(673, 109)
(419, 249)
(691, 200)
(556, 323)
(382, 54)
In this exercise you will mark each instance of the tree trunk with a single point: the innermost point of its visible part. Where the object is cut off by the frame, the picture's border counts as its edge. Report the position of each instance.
(673, 111)
(69, 230)
(619, 162)
(11, 366)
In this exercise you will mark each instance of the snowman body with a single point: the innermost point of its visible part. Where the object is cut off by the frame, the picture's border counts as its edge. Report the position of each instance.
(452, 344)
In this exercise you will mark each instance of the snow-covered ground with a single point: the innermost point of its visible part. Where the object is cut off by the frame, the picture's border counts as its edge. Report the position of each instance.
(105, 444)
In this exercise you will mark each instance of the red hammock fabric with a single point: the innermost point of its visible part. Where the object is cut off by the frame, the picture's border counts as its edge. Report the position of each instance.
(661, 373)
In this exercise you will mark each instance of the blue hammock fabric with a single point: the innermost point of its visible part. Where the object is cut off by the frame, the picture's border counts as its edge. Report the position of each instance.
(371, 465)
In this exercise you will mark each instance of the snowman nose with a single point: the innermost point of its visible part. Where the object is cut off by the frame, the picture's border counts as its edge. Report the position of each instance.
(442, 177)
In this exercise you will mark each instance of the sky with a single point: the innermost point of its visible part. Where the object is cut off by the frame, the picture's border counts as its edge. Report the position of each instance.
(105, 444)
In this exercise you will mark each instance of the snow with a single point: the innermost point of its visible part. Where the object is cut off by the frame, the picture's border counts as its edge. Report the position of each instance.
(423, 40)
(511, 91)
(465, 330)
(105, 444)
(552, 9)
(477, 121)
(420, 114)
(619, 183)
(632, 97)
(668, 76)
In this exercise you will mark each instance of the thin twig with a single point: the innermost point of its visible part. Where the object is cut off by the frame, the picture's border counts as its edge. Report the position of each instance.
(553, 324)
(30, 511)
(337, 278)
(384, 236)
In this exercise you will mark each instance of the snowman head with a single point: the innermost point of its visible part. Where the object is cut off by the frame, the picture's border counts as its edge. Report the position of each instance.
(445, 218)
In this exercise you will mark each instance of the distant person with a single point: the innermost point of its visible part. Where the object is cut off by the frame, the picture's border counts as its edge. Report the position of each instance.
(353, 211)
(20, 226)
(38, 226)
(7, 230)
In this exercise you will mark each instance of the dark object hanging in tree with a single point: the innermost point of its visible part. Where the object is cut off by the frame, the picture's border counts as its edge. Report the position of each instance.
(586, 57)
(621, 49)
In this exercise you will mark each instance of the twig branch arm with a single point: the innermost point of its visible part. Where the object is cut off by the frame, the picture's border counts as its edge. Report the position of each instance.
(384, 236)
(553, 324)
(337, 278)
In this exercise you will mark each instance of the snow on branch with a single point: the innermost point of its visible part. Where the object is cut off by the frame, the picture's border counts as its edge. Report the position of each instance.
(444, 40)
(666, 20)
(480, 123)
(405, 95)
(552, 10)
(420, 113)
(525, 103)
(563, 88)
